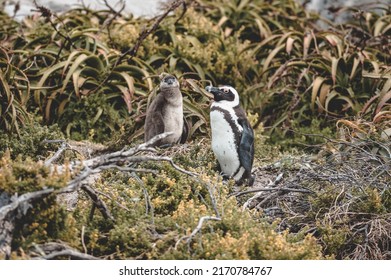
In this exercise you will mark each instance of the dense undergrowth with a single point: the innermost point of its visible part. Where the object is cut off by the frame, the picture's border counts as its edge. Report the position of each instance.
(319, 100)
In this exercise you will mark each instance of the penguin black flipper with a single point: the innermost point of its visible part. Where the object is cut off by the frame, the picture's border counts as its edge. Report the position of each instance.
(156, 127)
(185, 132)
(154, 123)
(246, 146)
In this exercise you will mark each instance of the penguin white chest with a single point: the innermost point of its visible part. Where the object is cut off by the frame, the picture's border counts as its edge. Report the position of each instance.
(173, 120)
(223, 143)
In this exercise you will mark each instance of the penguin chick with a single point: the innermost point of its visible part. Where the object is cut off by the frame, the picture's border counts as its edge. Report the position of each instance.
(232, 135)
(165, 113)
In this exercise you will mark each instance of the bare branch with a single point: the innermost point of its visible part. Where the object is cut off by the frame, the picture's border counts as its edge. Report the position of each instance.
(197, 229)
(23, 201)
(63, 148)
(272, 190)
(68, 253)
(116, 160)
(109, 21)
(114, 200)
(91, 167)
(116, 13)
(100, 204)
(53, 250)
(259, 193)
(47, 14)
(200, 223)
(148, 205)
(7, 221)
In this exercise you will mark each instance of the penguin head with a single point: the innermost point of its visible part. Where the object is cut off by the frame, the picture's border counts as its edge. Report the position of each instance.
(169, 81)
(224, 95)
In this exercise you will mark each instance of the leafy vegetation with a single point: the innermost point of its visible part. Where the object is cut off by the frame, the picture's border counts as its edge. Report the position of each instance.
(319, 100)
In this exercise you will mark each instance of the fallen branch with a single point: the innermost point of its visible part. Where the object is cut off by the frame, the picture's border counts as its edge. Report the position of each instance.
(117, 160)
(259, 193)
(100, 204)
(82, 239)
(7, 221)
(22, 201)
(63, 148)
(53, 250)
(200, 223)
(148, 205)
(68, 253)
(272, 190)
(114, 200)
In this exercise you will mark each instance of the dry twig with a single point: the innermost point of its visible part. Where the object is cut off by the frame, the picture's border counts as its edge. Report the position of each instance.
(109, 21)
(345, 189)
(201, 221)
(47, 14)
(99, 203)
(53, 250)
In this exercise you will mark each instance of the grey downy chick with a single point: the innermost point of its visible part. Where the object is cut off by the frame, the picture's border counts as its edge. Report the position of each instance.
(165, 113)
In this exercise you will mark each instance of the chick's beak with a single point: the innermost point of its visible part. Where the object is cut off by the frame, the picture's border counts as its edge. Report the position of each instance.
(170, 81)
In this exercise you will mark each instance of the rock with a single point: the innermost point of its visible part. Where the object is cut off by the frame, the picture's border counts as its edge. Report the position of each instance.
(331, 9)
(27, 7)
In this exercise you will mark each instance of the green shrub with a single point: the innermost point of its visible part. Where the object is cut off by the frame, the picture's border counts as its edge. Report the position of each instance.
(31, 142)
(41, 220)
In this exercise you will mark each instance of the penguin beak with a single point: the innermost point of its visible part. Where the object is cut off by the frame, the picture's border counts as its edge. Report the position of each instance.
(170, 81)
(214, 90)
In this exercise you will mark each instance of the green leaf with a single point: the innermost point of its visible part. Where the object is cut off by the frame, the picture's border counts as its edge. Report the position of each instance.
(270, 58)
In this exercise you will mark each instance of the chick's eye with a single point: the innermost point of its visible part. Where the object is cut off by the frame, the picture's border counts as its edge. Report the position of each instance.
(226, 90)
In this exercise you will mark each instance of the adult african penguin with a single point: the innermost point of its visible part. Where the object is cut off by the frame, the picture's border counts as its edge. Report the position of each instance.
(232, 135)
(165, 113)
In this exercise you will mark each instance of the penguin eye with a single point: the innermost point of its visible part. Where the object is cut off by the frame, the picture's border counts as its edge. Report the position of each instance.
(226, 90)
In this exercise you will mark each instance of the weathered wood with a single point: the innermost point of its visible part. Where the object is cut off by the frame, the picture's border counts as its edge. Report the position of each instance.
(6, 230)
(53, 250)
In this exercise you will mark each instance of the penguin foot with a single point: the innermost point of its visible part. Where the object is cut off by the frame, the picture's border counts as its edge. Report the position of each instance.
(246, 181)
